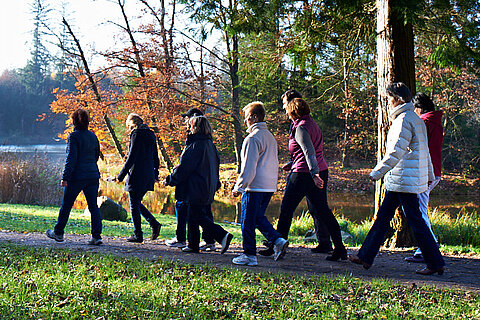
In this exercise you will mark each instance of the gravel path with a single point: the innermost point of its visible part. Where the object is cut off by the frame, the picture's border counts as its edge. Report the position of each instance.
(462, 271)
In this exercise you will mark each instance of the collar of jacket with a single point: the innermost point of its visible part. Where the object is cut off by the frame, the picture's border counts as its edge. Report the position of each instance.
(197, 137)
(257, 125)
(393, 113)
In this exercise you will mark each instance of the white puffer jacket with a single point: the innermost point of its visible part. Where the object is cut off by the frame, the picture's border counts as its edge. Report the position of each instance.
(406, 165)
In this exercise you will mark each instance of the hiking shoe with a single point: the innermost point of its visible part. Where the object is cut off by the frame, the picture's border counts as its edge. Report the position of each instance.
(174, 243)
(322, 249)
(134, 239)
(280, 248)
(266, 252)
(52, 235)
(156, 231)
(418, 258)
(189, 250)
(95, 241)
(226, 242)
(245, 260)
(208, 247)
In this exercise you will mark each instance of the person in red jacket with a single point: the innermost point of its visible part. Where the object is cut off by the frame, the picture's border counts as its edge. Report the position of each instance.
(425, 109)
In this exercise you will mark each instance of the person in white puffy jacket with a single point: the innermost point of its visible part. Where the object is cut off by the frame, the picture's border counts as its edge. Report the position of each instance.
(407, 169)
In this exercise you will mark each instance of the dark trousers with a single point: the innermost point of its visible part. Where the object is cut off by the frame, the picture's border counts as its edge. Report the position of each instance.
(181, 212)
(253, 217)
(411, 208)
(137, 209)
(321, 230)
(70, 193)
(300, 185)
(198, 216)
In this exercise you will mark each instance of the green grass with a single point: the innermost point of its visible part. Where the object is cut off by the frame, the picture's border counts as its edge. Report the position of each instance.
(57, 284)
(457, 235)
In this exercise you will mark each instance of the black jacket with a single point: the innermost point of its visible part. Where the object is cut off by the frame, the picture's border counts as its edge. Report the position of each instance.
(142, 162)
(83, 151)
(196, 176)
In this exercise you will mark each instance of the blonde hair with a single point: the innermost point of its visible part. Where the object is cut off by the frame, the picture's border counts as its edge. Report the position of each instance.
(200, 124)
(297, 108)
(256, 108)
(135, 118)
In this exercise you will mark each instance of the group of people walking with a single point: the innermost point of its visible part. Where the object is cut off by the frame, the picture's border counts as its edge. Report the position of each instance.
(406, 167)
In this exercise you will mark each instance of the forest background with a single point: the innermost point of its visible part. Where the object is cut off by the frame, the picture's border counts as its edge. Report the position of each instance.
(233, 52)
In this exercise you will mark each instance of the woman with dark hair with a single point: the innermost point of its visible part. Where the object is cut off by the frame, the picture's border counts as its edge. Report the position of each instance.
(309, 175)
(196, 179)
(425, 109)
(80, 174)
(141, 170)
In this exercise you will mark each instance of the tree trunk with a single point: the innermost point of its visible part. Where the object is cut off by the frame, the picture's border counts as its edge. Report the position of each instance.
(237, 126)
(395, 63)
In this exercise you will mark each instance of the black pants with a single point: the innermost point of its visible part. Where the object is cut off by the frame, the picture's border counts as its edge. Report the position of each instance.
(198, 216)
(300, 185)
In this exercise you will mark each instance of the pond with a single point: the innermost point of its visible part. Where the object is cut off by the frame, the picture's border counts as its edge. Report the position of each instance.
(355, 207)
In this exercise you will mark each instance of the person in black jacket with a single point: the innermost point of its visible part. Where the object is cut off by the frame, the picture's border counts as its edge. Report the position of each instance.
(197, 179)
(80, 174)
(141, 169)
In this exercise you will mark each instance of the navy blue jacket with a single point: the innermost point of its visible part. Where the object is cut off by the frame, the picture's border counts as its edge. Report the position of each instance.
(83, 151)
(196, 176)
(142, 161)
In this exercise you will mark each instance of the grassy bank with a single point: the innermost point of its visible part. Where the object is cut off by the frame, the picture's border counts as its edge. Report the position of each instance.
(48, 284)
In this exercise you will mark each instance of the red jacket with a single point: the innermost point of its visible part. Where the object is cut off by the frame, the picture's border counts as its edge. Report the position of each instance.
(433, 122)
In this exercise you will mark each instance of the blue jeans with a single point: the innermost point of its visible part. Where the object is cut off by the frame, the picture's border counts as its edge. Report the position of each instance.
(253, 209)
(300, 185)
(181, 211)
(70, 193)
(137, 209)
(411, 208)
(198, 216)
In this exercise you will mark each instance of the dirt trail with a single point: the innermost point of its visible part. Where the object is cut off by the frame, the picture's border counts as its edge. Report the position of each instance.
(462, 271)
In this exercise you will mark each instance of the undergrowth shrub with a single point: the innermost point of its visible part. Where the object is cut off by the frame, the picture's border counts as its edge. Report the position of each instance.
(29, 181)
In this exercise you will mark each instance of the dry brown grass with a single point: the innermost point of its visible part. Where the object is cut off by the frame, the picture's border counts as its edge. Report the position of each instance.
(33, 180)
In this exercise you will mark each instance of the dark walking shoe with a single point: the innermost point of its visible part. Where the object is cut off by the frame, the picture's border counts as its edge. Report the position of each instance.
(357, 260)
(52, 235)
(226, 242)
(322, 249)
(428, 272)
(337, 255)
(134, 239)
(156, 232)
(95, 241)
(418, 258)
(190, 250)
(266, 252)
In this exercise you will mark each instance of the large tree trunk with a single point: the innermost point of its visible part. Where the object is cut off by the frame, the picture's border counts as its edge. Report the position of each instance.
(395, 63)
(237, 125)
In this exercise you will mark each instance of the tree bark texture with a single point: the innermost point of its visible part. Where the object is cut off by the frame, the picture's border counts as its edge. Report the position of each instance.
(395, 63)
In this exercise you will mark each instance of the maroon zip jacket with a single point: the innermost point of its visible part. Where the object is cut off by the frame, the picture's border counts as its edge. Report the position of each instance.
(433, 122)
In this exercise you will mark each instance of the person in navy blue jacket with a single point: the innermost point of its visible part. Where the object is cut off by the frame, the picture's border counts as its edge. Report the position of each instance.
(141, 170)
(197, 179)
(80, 174)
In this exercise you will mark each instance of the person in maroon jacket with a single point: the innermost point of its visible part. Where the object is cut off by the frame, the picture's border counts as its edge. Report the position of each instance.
(425, 109)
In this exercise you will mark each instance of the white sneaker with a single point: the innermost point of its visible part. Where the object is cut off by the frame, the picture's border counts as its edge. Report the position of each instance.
(280, 248)
(175, 244)
(245, 260)
(208, 247)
